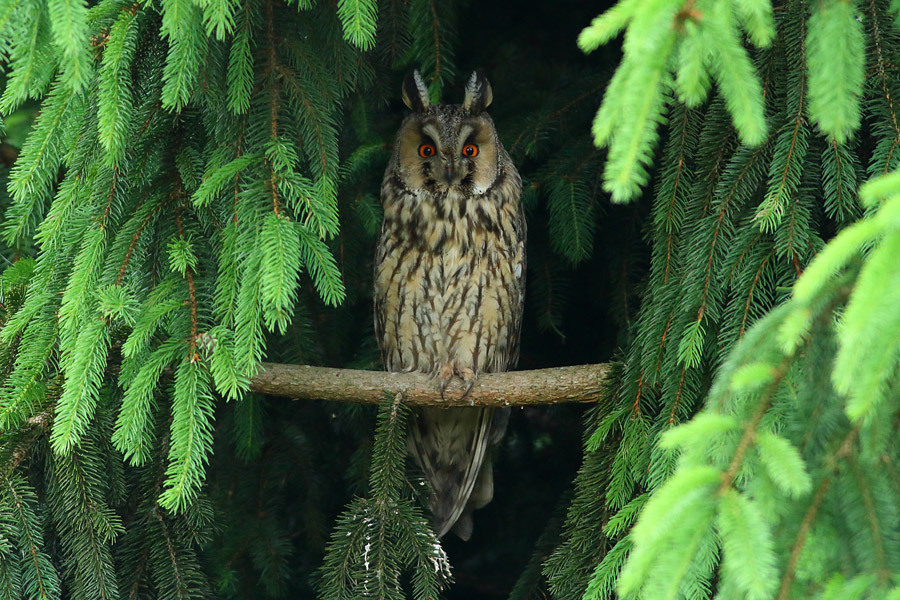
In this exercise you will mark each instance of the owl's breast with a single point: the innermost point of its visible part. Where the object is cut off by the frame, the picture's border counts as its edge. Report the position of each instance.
(449, 282)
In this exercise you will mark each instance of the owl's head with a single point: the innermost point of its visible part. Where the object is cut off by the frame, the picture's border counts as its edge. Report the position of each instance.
(448, 146)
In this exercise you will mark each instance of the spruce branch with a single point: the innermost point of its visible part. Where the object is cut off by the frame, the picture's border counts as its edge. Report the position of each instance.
(806, 524)
(38, 424)
(884, 77)
(136, 238)
(189, 276)
(437, 41)
(750, 430)
(583, 383)
(865, 491)
(20, 497)
(757, 277)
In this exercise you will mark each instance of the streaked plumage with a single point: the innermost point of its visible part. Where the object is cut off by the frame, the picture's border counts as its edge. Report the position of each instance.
(450, 283)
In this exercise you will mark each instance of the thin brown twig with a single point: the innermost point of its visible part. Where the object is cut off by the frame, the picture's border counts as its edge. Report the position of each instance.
(806, 524)
(134, 240)
(189, 275)
(749, 436)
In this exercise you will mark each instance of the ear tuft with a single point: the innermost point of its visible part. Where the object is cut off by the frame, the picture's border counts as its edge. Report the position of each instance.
(478, 93)
(415, 92)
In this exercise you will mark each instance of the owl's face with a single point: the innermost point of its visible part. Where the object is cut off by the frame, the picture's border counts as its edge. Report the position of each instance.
(447, 147)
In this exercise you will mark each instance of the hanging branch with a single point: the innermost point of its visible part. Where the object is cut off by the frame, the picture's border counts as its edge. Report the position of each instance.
(583, 383)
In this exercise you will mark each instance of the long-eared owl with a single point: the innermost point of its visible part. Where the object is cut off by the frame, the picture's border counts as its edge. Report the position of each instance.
(450, 283)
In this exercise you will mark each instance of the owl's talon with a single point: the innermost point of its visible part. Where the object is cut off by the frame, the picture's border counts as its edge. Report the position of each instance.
(444, 375)
(468, 376)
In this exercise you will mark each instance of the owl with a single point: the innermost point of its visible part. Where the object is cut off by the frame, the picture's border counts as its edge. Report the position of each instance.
(450, 284)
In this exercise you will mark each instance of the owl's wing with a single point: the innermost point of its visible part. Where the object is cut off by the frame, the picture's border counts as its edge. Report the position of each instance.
(450, 445)
(517, 310)
(385, 343)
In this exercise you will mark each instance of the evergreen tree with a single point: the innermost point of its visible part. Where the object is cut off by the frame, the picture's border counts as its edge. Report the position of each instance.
(191, 187)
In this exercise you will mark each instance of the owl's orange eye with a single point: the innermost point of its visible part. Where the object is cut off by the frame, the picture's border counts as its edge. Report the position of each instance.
(426, 150)
(470, 150)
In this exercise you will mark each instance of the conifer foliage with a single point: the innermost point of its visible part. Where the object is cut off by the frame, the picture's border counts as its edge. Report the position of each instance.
(785, 484)
(200, 182)
(180, 178)
(378, 536)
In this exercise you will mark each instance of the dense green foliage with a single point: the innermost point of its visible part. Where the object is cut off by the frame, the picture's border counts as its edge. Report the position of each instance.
(757, 496)
(198, 192)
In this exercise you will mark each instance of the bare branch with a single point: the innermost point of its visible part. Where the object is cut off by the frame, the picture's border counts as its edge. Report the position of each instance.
(583, 383)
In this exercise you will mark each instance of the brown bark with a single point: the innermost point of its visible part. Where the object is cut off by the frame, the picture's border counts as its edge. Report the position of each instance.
(583, 383)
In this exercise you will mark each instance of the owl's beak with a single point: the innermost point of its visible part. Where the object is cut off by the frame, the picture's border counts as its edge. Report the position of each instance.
(449, 173)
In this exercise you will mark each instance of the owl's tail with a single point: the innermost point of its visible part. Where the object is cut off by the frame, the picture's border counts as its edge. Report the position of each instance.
(450, 445)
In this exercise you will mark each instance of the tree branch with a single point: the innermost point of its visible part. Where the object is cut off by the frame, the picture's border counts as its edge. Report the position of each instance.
(583, 383)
